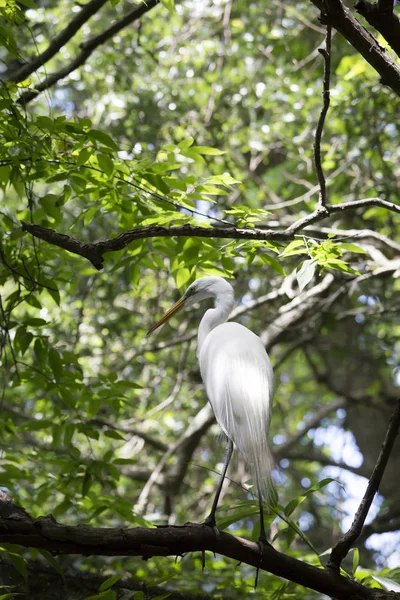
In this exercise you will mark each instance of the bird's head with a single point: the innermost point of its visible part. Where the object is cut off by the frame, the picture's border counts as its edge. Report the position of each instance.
(201, 289)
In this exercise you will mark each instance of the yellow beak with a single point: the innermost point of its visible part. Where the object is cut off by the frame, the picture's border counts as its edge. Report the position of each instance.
(177, 306)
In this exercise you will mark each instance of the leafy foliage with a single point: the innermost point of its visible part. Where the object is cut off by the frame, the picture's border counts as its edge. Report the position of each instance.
(209, 122)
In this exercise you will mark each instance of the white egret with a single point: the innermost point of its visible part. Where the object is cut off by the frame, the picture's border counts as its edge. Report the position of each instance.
(239, 382)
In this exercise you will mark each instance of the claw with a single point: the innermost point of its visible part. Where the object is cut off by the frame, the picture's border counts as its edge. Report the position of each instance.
(262, 543)
(210, 522)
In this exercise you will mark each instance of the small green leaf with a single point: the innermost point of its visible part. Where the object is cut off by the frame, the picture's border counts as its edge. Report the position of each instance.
(305, 273)
(55, 363)
(169, 5)
(272, 262)
(207, 150)
(22, 339)
(84, 156)
(295, 247)
(356, 560)
(19, 564)
(352, 248)
(106, 164)
(103, 138)
(185, 144)
(182, 277)
(69, 431)
(109, 582)
(40, 350)
(52, 561)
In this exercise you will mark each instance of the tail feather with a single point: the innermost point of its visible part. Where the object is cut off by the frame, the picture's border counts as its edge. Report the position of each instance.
(246, 419)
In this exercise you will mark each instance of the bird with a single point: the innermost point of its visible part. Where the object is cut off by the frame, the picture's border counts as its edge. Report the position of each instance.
(239, 382)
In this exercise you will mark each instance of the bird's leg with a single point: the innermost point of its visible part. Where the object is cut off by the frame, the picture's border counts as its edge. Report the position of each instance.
(210, 520)
(262, 538)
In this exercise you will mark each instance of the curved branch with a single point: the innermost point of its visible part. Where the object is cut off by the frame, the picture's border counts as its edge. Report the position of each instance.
(86, 50)
(17, 527)
(94, 252)
(340, 17)
(342, 547)
(60, 40)
(384, 21)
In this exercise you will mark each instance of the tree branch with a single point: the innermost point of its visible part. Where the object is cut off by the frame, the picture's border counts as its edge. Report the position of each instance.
(94, 252)
(341, 548)
(380, 15)
(326, 53)
(60, 40)
(45, 533)
(87, 48)
(351, 29)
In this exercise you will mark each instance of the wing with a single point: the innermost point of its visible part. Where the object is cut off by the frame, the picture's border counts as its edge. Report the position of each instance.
(238, 377)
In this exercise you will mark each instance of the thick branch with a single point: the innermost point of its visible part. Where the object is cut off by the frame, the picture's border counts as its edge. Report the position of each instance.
(342, 547)
(384, 21)
(94, 252)
(60, 40)
(87, 48)
(343, 21)
(45, 533)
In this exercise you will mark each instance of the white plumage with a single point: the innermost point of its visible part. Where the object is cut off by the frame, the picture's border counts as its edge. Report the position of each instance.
(238, 378)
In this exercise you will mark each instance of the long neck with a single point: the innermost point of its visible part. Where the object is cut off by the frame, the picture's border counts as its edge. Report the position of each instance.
(214, 317)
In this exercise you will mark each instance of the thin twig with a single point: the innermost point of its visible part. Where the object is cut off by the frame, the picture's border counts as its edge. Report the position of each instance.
(326, 53)
(58, 41)
(87, 48)
(342, 547)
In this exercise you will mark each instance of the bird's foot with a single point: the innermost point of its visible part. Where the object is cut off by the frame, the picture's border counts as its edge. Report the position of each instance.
(262, 543)
(210, 522)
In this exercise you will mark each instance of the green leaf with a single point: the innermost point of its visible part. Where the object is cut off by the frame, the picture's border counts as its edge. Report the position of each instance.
(106, 163)
(52, 561)
(305, 274)
(19, 564)
(28, 3)
(207, 150)
(272, 262)
(169, 5)
(55, 363)
(22, 339)
(182, 277)
(40, 350)
(69, 431)
(293, 504)
(185, 144)
(353, 248)
(103, 138)
(295, 247)
(88, 218)
(84, 156)
(109, 582)
(226, 180)
(356, 560)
